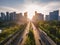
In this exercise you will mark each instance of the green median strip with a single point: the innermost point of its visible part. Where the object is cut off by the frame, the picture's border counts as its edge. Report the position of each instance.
(30, 38)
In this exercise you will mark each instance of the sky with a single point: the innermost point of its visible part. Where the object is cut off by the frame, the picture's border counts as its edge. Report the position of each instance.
(41, 6)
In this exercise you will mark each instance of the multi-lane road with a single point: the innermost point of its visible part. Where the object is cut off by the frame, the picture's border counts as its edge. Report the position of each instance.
(18, 38)
(25, 34)
(36, 35)
(41, 38)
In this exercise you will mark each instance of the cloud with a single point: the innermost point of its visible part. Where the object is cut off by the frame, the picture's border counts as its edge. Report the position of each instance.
(52, 6)
(40, 1)
(9, 9)
(43, 6)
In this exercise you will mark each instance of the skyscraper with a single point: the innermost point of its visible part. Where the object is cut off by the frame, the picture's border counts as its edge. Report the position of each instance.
(54, 15)
(2, 16)
(35, 12)
(19, 17)
(47, 17)
(7, 16)
(38, 17)
(12, 16)
(25, 14)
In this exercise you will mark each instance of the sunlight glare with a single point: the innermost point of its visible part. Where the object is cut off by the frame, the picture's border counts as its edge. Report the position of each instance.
(31, 10)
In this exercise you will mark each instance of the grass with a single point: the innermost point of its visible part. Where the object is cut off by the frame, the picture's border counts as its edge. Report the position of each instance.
(54, 38)
(6, 32)
(30, 38)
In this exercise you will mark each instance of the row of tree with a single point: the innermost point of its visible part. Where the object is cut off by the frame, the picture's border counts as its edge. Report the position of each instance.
(52, 28)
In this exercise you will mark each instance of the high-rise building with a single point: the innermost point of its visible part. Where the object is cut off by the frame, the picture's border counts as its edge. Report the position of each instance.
(7, 16)
(35, 12)
(54, 15)
(47, 17)
(12, 16)
(19, 17)
(38, 17)
(25, 14)
(2, 16)
(0, 19)
(59, 18)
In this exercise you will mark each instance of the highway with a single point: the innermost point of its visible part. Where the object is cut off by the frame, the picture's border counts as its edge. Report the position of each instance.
(24, 35)
(20, 39)
(13, 39)
(36, 35)
(16, 38)
(43, 38)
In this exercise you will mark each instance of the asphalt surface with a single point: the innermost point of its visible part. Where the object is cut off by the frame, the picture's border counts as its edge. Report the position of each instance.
(25, 34)
(36, 35)
(41, 38)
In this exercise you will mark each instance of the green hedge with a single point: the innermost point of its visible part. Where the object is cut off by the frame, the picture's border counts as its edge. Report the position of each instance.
(30, 38)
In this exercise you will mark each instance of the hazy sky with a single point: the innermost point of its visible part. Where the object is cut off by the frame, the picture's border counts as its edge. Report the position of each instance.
(42, 6)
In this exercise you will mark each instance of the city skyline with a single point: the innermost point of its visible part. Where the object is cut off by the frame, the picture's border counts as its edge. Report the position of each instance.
(29, 22)
(42, 6)
(54, 15)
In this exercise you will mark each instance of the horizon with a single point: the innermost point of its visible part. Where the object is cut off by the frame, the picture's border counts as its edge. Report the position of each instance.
(41, 6)
(30, 6)
(29, 22)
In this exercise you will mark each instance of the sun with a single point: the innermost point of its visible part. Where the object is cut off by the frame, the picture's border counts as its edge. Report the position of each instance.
(31, 10)
(30, 15)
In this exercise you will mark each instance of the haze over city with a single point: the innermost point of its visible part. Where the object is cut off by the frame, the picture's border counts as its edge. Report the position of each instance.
(42, 6)
(29, 22)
